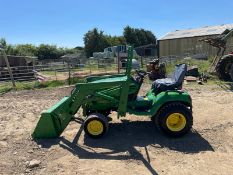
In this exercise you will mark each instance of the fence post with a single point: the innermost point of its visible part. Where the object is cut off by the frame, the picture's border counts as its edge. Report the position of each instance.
(141, 62)
(8, 67)
(69, 73)
(90, 66)
(105, 67)
(55, 72)
(118, 61)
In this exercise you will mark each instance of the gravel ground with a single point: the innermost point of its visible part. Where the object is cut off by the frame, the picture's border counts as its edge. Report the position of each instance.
(132, 146)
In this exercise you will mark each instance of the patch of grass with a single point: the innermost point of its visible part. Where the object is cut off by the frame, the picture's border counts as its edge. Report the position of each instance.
(48, 73)
(203, 65)
(25, 85)
(75, 80)
(51, 84)
(7, 86)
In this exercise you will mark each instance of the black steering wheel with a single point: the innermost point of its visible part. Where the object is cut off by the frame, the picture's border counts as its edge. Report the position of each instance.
(140, 75)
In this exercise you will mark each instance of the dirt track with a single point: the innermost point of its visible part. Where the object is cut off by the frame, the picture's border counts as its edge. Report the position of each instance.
(132, 145)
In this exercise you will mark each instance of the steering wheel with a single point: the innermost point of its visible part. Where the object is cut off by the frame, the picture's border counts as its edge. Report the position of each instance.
(141, 73)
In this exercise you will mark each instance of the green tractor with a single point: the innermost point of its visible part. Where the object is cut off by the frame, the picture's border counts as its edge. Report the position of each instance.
(165, 103)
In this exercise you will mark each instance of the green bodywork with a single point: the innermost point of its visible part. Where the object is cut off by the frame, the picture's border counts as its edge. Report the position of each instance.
(105, 94)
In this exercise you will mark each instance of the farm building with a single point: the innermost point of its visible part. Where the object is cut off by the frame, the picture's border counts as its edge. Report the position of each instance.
(149, 50)
(185, 42)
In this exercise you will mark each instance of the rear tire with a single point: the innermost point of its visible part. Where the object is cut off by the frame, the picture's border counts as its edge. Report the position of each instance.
(96, 125)
(223, 68)
(231, 72)
(174, 119)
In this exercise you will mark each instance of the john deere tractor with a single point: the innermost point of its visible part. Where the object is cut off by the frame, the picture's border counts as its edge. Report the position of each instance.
(165, 103)
(222, 64)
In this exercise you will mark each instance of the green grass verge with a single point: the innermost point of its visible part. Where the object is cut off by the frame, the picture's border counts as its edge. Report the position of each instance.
(203, 65)
(7, 86)
(4, 88)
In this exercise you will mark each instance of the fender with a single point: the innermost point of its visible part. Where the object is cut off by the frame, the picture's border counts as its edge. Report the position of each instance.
(168, 97)
(162, 99)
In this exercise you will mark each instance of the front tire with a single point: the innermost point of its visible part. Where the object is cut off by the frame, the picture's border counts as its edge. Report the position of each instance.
(174, 119)
(96, 125)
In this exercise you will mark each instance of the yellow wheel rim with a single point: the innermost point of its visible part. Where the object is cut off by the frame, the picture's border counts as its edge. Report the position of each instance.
(95, 127)
(176, 122)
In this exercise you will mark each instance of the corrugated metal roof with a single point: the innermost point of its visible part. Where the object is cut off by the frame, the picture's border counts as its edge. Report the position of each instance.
(203, 31)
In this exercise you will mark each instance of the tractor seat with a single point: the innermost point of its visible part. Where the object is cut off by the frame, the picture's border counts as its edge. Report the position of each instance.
(173, 83)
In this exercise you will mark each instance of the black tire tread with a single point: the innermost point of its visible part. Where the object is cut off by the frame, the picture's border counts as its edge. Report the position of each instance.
(99, 116)
(231, 72)
(171, 107)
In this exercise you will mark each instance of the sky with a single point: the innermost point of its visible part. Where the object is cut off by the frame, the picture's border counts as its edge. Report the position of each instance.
(64, 22)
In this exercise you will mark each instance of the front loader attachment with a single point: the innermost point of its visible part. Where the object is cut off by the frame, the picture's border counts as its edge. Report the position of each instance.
(97, 93)
(52, 122)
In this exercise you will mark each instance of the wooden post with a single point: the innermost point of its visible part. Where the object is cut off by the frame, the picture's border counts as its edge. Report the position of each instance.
(141, 62)
(90, 66)
(144, 55)
(8, 67)
(69, 73)
(55, 72)
(105, 66)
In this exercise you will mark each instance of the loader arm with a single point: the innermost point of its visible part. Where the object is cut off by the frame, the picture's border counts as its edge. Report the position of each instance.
(53, 121)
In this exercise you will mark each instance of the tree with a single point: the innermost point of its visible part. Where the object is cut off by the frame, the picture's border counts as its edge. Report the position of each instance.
(9, 49)
(3, 42)
(151, 38)
(130, 36)
(78, 48)
(46, 51)
(138, 37)
(95, 41)
(115, 40)
(25, 50)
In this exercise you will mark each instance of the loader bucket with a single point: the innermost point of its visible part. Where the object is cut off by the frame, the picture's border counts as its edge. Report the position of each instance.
(52, 122)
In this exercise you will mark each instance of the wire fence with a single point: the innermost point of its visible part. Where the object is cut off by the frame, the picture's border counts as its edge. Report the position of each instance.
(64, 71)
(54, 71)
